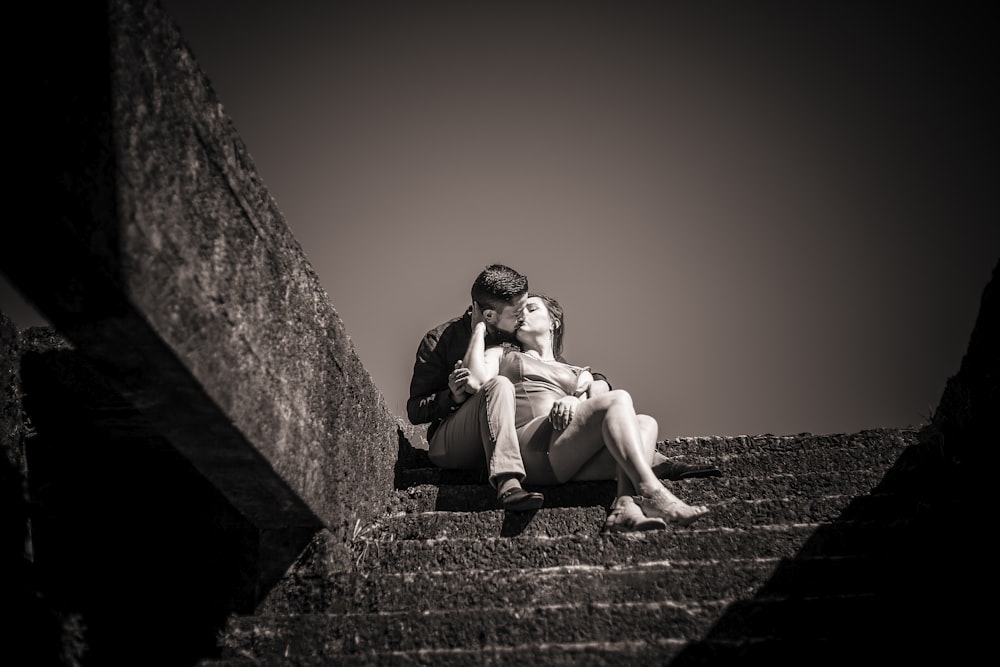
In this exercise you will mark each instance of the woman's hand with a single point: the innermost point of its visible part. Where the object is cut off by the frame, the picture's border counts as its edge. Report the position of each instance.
(562, 412)
(458, 382)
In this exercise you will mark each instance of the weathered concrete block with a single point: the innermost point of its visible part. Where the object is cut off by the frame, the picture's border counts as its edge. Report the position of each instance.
(966, 417)
(13, 472)
(176, 276)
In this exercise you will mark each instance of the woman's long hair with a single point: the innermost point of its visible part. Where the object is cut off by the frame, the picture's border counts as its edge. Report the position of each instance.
(558, 322)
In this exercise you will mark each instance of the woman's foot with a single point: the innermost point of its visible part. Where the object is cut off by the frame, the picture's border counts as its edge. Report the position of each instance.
(626, 516)
(663, 504)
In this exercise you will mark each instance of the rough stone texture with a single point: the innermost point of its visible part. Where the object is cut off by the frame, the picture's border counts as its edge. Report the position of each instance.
(178, 279)
(12, 468)
(127, 535)
(14, 538)
(818, 549)
(966, 422)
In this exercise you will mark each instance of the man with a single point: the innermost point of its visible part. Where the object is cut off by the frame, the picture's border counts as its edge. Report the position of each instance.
(472, 431)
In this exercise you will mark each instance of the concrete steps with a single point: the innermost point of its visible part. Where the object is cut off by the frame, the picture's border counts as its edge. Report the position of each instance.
(804, 554)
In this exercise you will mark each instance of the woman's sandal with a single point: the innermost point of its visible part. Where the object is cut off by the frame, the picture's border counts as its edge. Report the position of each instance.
(519, 500)
(626, 517)
(672, 511)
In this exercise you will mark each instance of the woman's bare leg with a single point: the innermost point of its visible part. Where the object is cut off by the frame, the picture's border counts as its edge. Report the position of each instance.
(601, 466)
(605, 422)
(648, 430)
(604, 466)
(579, 449)
(609, 420)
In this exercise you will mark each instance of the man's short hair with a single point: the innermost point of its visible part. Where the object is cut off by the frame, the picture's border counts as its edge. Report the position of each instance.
(497, 286)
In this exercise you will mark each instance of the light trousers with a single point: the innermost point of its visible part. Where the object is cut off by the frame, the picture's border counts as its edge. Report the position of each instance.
(481, 433)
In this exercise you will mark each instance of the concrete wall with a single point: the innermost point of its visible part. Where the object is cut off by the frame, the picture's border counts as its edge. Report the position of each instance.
(14, 537)
(156, 250)
(966, 421)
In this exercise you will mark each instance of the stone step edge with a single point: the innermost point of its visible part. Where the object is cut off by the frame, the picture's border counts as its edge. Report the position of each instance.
(362, 632)
(703, 603)
(475, 497)
(587, 548)
(660, 649)
(636, 567)
(897, 439)
(652, 567)
(467, 656)
(421, 522)
(691, 530)
(457, 554)
(873, 497)
(676, 579)
(468, 477)
(546, 647)
(241, 630)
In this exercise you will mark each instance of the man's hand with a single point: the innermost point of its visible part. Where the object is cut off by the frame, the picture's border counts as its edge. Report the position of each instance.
(598, 387)
(458, 380)
(477, 315)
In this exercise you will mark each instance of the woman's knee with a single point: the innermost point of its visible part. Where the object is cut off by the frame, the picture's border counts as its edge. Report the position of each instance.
(650, 432)
(602, 403)
(620, 397)
(648, 425)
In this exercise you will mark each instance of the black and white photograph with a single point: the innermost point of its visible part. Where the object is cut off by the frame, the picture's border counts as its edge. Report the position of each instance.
(482, 333)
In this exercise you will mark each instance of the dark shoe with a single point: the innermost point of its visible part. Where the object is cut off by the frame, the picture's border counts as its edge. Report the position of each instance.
(519, 500)
(674, 471)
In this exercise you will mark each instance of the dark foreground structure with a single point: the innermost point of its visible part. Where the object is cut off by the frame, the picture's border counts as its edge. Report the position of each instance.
(197, 468)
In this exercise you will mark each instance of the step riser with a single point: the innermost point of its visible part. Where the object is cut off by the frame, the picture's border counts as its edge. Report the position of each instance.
(829, 618)
(682, 582)
(771, 651)
(870, 444)
(587, 654)
(682, 544)
(471, 627)
(711, 447)
(674, 544)
(795, 456)
(512, 587)
(432, 524)
(481, 497)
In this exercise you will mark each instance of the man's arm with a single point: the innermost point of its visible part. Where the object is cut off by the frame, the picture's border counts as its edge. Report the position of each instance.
(600, 385)
(430, 398)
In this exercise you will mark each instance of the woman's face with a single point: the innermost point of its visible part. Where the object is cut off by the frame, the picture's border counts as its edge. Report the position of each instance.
(536, 320)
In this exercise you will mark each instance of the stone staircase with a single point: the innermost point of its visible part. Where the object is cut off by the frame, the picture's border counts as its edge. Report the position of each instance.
(810, 556)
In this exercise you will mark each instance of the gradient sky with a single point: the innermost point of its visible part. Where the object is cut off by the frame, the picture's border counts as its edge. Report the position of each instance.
(758, 220)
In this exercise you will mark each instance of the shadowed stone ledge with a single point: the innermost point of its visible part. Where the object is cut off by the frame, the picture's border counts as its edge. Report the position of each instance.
(156, 250)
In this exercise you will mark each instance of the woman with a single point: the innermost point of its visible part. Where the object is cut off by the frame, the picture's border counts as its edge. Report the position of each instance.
(569, 433)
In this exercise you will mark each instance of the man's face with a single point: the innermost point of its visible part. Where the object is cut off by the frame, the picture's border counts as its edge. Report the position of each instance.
(507, 321)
